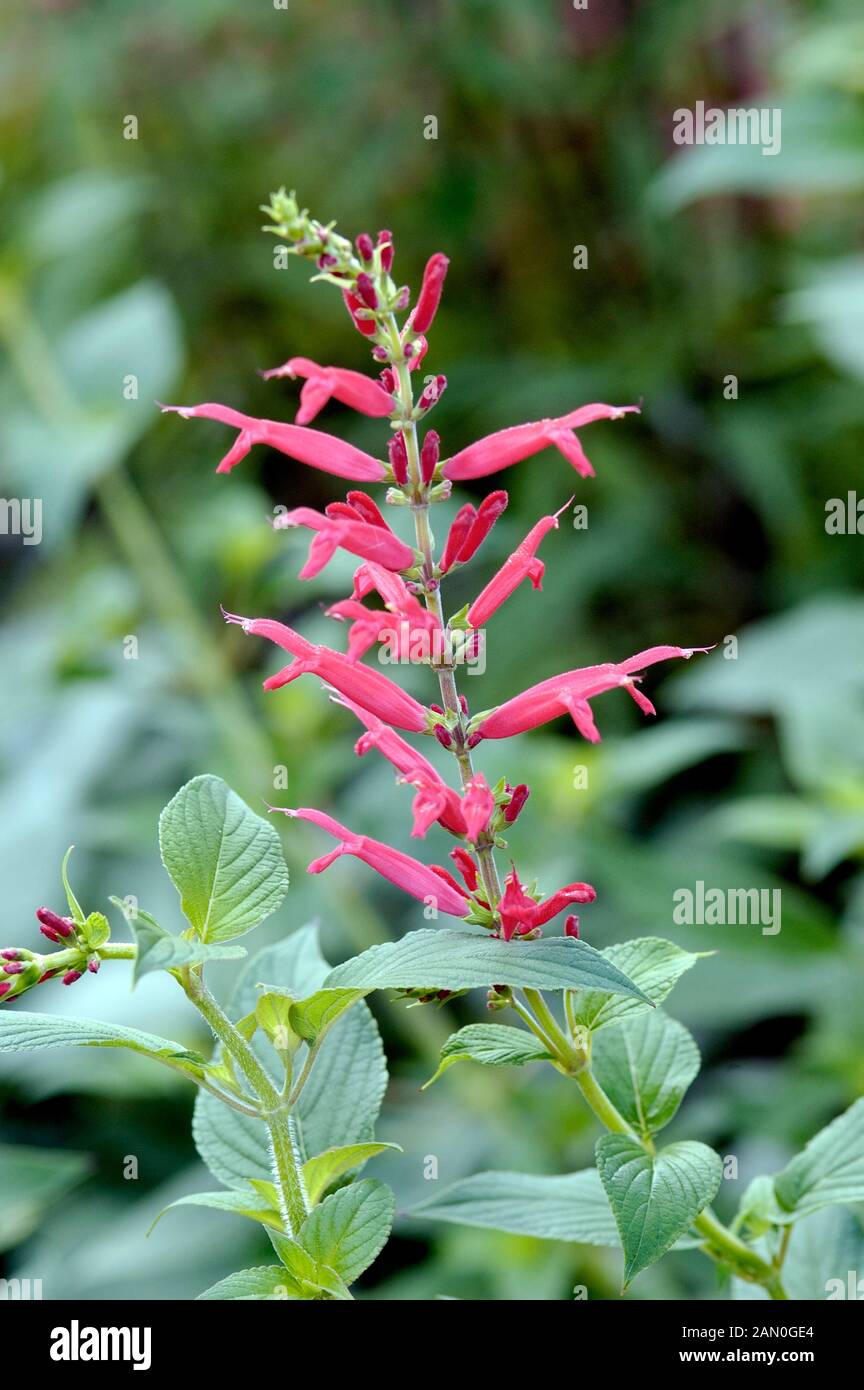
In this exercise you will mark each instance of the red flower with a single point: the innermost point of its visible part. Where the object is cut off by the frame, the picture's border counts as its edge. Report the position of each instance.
(510, 446)
(423, 881)
(470, 529)
(369, 540)
(569, 693)
(522, 564)
(351, 388)
(319, 450)
(368, 688)
(521, 913)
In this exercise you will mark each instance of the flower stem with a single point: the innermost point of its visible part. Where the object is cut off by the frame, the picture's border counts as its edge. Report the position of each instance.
(287, 1167)
(432, 594)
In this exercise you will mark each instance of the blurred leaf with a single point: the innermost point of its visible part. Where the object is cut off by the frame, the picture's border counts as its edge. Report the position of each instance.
(32, 1181)
(573, 1207)
(830, 1169)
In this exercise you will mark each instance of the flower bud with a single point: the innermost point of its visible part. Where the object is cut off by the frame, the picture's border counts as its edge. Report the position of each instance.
(466, 866)
(365, 248)
(387, 378)
(430, 293)
(463, 705)
(63, 926)
(571, 927)
(432, 392)
(462, 524)
(399, 459)
(13, 968)
(352, 304)
(444, 736)
(366, 292)
(71, 976)
(93, 965)
(385, 240)
(4, 989)
(11, 954)
(487, 514)
(429, 456)
(518, 797)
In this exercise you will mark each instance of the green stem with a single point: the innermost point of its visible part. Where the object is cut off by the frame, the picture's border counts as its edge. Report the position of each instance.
(275, 1113)
(573, 1059)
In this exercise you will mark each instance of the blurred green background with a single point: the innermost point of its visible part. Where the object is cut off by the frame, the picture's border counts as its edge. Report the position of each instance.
(143, 257)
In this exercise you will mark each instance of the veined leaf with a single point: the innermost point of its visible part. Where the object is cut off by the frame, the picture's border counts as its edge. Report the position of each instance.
(492, 1045)
(321, 1171)
(237, 1203)
(446, 959)
(159, 950)
(573, 1207)
(655, 1197)
(272, 1282)
(350, 1227)
(829, 1170)
(651, 963)
(226, 863)
(312, 1018)
(645, 1067)
(21, 1032)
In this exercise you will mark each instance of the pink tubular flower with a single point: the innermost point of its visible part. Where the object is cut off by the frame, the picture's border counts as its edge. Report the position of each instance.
(422, 881)
(370, 689)
(521, 914)
(569, 693)
(522, 564)
(369, 540)
(430, 293)
(313, 447)
(510, 446)
(457, 536)
(351, 388)
(518, 796)
(466, 866)
(362, 324)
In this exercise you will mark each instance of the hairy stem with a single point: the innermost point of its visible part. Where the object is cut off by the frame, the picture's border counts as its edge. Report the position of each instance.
(275, 1113)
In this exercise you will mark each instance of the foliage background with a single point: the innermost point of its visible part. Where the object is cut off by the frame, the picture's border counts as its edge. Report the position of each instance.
(707, 520)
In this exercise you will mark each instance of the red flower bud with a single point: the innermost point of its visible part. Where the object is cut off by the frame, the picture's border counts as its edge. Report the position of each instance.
(444, 737)
(11, 955)
(487, 514)
(571, 927)
(71, 976)
(64, 926)
(4, 989)
(430, 293)
(432, 392)
(399, 459)
(388, 379)
(13, 969)
(459, 532)
(463, 703)
(385, 239)
(352, 304)
(365, 249)
(429, 456)
(466, 866)
(93, 965)
(366, 291)
(366, 508)
(518, 797)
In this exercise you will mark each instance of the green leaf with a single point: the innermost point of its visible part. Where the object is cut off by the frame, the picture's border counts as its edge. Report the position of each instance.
(446, 959)
(830, 1170)
(266, 1282)
(350, 1227)
(492, 1045)
(159, 950)
(321, 1171)
(21, 1032)
(312, 1277)
(76, 912)
(654, 965)
(573, 1207)
(339, 1103)
(225, 862)
(824, 1261)
(645, 1068)
(655, 1197)
(237, 1203)
(312, 1018)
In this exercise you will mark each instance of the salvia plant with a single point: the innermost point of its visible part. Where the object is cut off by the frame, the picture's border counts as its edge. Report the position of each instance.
(288, 1100)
